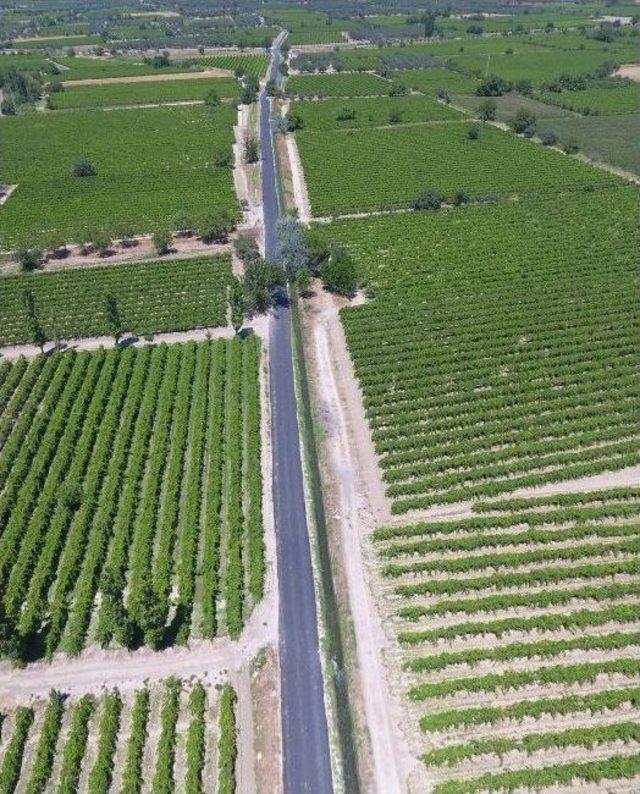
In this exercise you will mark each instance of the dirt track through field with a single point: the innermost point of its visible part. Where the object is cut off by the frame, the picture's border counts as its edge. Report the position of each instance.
(148, 78)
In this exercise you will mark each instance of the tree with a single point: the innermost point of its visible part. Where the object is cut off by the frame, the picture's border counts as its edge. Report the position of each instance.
(29, 258)
(291, 249)
(339, 273)
(303, 281)
(443, 95)
(83, 168)
(524, 87)
(522, 120)
(293, 121)
(549, 138)
(318, 251)
(38, 336)
(398, 89)
(101, 240)
(212, 99)
(487, 110)
(261, 279)
(271, 88)
(493, 86)
(428, 200)
(251, 152)
(473, 133)
(112, 315)
(570, 146)
(8, 106)
(216, 228)
(162, 241)
(237, 304)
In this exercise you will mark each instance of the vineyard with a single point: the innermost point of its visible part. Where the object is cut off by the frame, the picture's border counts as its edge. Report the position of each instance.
(389, 168)
(499, 350)
(169, 736)
(255, 65)
(337, 85)
(518, 635)
(429, 81)
(78, 68)
(131, 496)
(150, 165)
(359, 112)
(144, 93)
(609, 100)
(150, 297)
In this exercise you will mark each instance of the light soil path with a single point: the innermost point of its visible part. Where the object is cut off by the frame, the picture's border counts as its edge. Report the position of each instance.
(631, 71)
(300, 193)
(206, 74)
(141, 250)
(395, 767)
(258, 325)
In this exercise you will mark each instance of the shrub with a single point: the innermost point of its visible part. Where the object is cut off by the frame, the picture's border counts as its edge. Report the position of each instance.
(443, 95)
(395, 117)
(473, 133)
(346, 114)
(56, 87)
(251, 153)
(493, 86)
(570, 146)
(398, 89)
(549, 138)
(212, 99)
(523, 120)
(83, 168)
(29, 258)
(162, 241)
(339, 273)
(487, 110)
(216, 227)
(428, 200)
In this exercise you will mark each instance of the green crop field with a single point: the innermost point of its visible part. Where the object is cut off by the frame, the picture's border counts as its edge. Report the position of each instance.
(355, 170)
(500, 348)
(542, 64)
(430, 80)
(49, 43)
(337, 85)
(159, 92)
(151, 297)
(377, 112)
(137, 466)
(247, 63)
(85, 68)
(518, 637)
(151, 164)
(606, 101)
(606, 139)
(118, 739)
(509, 104)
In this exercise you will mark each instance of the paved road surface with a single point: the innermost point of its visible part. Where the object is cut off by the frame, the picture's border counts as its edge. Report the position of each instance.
(307, 765)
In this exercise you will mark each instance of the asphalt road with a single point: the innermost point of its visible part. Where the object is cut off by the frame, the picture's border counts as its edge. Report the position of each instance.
(306, 757)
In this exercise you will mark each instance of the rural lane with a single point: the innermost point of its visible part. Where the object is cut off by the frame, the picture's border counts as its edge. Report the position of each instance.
(306, 756)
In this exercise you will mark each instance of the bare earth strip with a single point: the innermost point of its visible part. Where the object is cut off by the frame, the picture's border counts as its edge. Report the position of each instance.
(395, 765)
(149, 78)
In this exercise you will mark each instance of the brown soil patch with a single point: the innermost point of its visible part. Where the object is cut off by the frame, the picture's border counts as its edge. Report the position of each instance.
(631, 71)
(265, 697)
(149, 78)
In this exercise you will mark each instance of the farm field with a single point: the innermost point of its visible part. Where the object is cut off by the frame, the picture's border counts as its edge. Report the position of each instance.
(609, 100)
(539, 65)
(337, 85)
(518, 637)
(465, 401)
(131, 496)
(160, 92)
(607, 139)
(389, 168)
(509, 104)
(336, 113)
(151, 164)
(169, 736)
(85, 68)
(150, 297)
(247, 63)
(428, 81)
